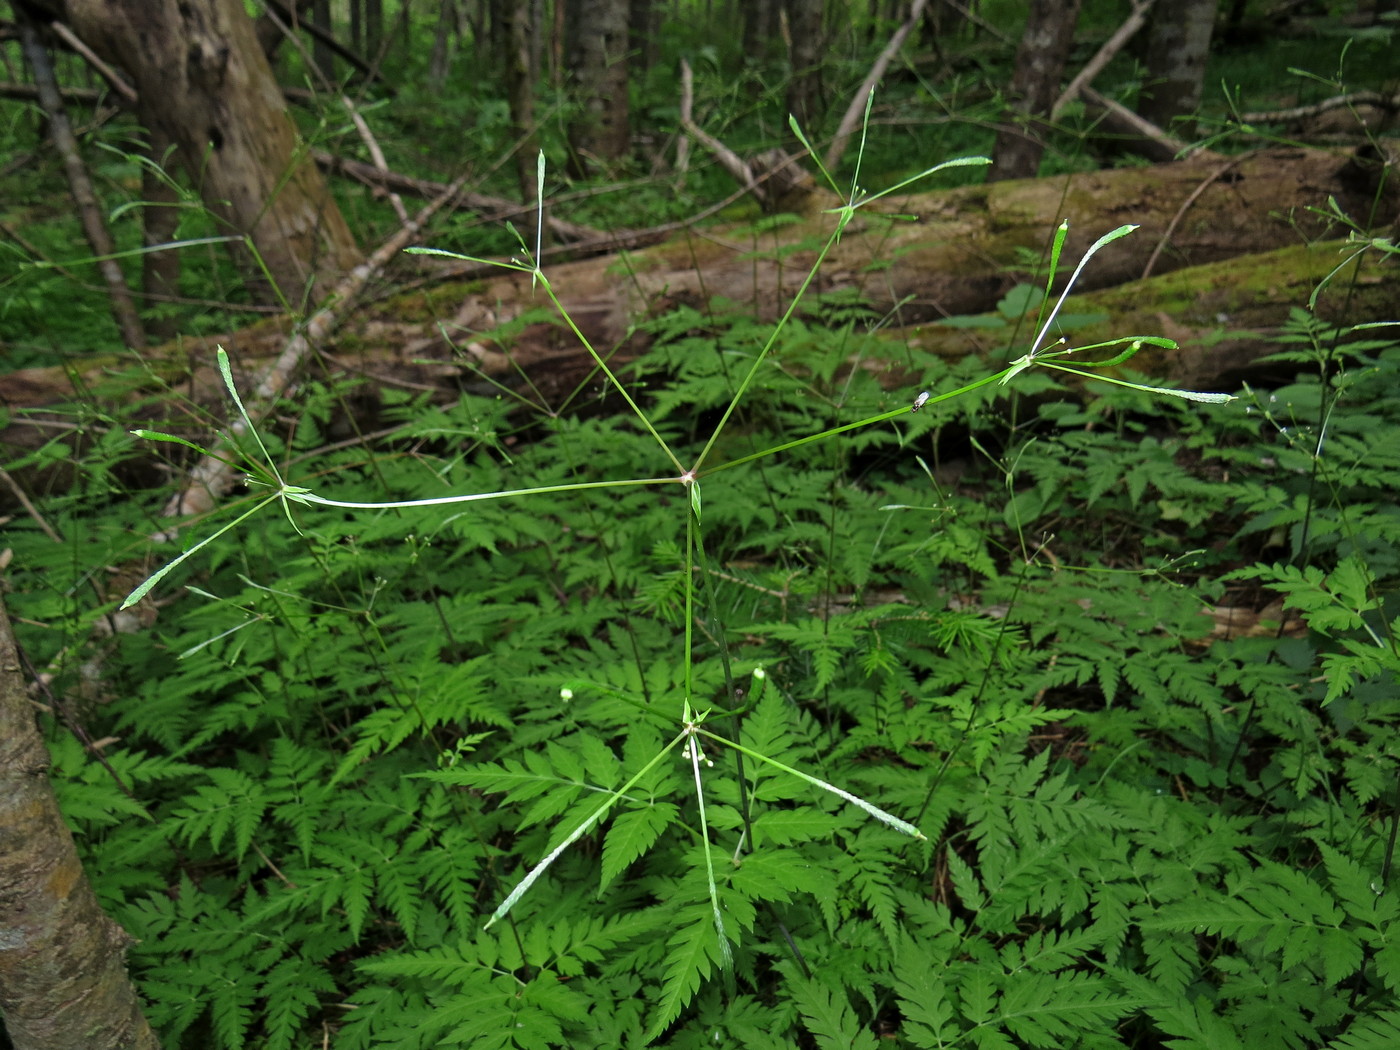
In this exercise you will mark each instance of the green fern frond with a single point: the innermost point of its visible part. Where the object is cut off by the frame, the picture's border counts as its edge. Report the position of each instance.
(1195, 1026)
(632, 833)
(785, 827)
(692, 954)
(830, 1019)
(231, 1010)
(923, 998)
(1052, 1010)
(233, 805)
(869, 872)
(1377, 1032)
(292, 990)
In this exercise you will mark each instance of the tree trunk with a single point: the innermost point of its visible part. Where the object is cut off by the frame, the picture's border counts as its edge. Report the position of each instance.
(205, 84)
(1178, 46)
(760, 19)
(63, 982)
(511, 33)
(597, 43)
(1040, 62)
(160, 219)
(804, 92)
(644, 26)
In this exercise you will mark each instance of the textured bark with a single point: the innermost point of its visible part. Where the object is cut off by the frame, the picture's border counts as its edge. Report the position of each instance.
(804, 92)
(1178, 46)
(1040, 62)
(63, 982)
(205, 84)
(512, 30)
(761, 36)
(160, 219)
(597, 33)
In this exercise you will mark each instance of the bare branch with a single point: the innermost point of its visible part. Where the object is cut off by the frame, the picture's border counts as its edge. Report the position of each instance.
(877, 72)
(1135, 21)
(80, 185)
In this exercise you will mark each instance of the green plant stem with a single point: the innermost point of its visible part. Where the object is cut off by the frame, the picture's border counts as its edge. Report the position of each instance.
(472, 497)
(727, 464)
(875, 811)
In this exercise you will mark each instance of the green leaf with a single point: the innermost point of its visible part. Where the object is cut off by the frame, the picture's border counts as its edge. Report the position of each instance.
(922, 987)
(1377, 1032)
(830, 1018)
(1195, 1026)
(633, 832)
(692, 953)
(1053, 1010)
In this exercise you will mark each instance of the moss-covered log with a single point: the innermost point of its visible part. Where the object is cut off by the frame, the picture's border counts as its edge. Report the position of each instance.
(1221, 237)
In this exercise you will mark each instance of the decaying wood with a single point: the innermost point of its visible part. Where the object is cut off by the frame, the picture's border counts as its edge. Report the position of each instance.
(199, 75)
(1388, 103)
(1224, 316)
(1144, 137)
(28, 93)
(63, 980)
(730, 161)
(286, 20)
(494, 208)
(110, 75)
(1113, 117)
(375, 153)
(958, 254)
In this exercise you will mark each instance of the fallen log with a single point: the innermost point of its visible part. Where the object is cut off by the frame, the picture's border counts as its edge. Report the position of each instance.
(915, 259)
(958, 254)
(1224, 316)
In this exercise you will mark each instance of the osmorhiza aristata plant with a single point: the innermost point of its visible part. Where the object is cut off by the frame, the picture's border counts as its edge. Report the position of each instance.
(695, 948)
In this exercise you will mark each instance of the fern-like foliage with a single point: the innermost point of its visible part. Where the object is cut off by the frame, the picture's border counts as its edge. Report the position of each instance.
(350, 746)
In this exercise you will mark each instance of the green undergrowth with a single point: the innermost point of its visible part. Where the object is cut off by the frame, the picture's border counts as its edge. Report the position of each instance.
(765, 712)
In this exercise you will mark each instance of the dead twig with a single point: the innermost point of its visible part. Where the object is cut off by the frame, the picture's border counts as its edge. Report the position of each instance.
(18, 492)
(877, 72)
(80, 186)
(113, 78)
(492, 208)
(1389, 103)
(1125, 32)
(1154, 143)
(728, 159)
(375, 153)
(1191, 199)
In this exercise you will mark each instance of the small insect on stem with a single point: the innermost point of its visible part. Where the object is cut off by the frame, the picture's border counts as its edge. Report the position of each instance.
(920, 401)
